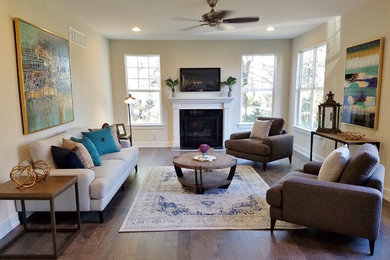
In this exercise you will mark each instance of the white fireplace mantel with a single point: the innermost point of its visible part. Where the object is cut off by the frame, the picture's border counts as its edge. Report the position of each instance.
(199, 103)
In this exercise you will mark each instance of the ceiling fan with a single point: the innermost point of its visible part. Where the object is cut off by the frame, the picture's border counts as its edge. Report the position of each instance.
(215, 18)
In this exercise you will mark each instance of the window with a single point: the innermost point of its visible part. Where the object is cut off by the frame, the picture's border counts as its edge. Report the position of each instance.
(143, 81)
(258, 80)
(311, 76)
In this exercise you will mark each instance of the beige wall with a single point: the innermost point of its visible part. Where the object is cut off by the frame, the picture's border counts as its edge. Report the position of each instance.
(366, 23)
(90, 81)
(176, 54)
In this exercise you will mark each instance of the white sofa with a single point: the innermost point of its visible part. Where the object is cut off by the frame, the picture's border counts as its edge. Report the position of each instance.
(96, 187)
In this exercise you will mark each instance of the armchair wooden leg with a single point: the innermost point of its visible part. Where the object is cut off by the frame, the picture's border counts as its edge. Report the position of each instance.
(264, 166)
(290, 159)
(136, 169)
(273, 222)
(372, 246)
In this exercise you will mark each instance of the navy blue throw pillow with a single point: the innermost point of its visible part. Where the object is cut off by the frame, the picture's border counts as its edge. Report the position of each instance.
(66, 159)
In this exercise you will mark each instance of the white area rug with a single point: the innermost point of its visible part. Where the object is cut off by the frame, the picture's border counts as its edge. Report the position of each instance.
(163, 204)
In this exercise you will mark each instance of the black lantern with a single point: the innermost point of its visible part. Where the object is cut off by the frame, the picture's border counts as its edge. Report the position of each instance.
(329, 115)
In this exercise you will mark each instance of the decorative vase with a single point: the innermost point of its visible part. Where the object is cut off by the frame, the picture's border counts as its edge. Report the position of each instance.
(205, 155)
(229, 94)
(173, 94)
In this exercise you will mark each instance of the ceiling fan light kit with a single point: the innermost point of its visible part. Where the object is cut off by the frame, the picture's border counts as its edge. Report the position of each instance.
(215, 18)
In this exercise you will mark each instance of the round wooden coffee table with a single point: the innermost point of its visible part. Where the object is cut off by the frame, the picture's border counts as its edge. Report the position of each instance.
(203, 175)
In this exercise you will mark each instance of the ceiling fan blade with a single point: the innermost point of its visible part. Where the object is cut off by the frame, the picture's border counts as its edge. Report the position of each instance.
(221, 14)
(185, 19)
(192, 27)
(241, 20)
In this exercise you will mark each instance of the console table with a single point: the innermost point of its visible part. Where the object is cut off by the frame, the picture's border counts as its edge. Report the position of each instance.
(338, 139)
(47, 189)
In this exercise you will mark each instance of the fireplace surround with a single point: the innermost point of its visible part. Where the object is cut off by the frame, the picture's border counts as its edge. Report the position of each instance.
(200, 102)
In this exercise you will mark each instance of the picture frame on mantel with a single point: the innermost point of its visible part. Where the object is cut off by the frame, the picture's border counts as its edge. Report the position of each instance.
(45, 87)
(363, 74)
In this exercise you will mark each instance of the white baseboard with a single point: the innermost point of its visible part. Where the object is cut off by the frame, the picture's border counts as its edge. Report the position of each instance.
(8, 224)
(386, 194)
(153, 144)
(304, 152)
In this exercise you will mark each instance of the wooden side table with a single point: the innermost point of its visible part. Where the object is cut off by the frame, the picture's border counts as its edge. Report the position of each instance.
(48, 189)
(339, 139)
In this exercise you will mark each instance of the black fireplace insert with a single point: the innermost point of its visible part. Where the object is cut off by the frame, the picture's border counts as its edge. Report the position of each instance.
(201, 126)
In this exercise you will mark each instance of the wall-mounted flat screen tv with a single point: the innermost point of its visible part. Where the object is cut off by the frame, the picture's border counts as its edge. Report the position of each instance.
(200, 79)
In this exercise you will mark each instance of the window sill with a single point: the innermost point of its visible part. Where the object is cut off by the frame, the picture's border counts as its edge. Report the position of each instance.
(305, 131)
(148, 126)
(245, 125)
(302, 130)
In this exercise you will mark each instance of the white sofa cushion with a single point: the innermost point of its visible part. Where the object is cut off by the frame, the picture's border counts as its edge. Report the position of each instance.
(127, 155)
(41, 150)
(105, 175)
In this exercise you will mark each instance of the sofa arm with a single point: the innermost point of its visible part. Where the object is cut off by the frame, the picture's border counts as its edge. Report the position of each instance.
(84, 178)
(337, 207)
(312, 168)
(281, 146)
(240, 135)
(125, 143)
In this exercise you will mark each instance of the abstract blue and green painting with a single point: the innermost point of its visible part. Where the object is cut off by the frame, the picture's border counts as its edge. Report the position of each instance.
(44, 78)
(361, 89)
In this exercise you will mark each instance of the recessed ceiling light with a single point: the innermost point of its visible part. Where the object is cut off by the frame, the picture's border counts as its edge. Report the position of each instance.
(270, 29)
(136, 29)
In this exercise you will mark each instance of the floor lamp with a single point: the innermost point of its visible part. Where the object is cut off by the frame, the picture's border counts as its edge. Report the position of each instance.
(129, 100)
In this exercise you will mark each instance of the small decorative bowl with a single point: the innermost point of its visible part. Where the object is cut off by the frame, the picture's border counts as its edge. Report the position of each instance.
(351, 135)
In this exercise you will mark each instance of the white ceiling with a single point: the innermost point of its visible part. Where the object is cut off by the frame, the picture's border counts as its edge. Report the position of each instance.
(160, 19)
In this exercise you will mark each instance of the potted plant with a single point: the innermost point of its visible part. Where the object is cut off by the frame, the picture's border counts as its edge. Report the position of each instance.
(230, 82)
(172, 84)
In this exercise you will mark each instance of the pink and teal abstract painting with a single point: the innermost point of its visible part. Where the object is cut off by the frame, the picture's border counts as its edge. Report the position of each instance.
(44, 77)
(362, 84)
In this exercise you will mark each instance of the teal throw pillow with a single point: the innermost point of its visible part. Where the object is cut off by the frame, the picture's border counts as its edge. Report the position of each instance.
(91, 149)
(103, 140)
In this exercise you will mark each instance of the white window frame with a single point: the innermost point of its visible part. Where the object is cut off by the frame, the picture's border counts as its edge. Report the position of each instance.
(156, 125)
(312, 89)
(250, 124)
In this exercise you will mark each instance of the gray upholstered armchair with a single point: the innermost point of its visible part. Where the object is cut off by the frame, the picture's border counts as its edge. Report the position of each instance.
(349, 209)
(276, 146)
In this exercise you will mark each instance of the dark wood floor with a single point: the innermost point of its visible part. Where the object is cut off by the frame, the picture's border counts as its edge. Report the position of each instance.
(102, 241)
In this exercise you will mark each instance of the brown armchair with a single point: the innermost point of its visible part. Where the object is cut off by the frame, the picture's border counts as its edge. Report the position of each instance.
(277, 145)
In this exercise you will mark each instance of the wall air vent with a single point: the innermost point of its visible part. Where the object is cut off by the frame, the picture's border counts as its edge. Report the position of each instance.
(77, 37)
